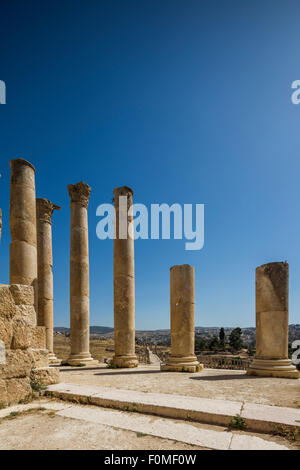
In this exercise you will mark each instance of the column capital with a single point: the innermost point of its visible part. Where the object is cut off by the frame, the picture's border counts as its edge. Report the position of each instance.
(45, 209)
(123, 191)
(80, 193)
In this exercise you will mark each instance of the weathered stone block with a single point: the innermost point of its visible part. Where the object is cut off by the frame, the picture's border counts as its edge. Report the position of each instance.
(22, 295)
(18, 389)
(38, 340)
(6, 331)
(22, 333)
(3, 393)
(26, 312)
(19, 363)
(45, 376)
(40, 357)
(18, 333)
(7, 305)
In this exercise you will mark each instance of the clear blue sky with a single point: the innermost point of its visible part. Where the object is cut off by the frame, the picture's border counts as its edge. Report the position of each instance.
(185, 101)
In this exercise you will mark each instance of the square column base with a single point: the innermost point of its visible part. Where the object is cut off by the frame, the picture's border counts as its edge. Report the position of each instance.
(181, 364)
(53, 361)
(282, 368)
(78, 359)
(126, 362)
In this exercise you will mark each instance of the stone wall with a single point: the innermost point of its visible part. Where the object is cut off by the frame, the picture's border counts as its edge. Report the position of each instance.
(23, 353)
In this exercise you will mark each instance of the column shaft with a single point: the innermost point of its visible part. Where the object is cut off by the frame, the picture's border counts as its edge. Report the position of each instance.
(182, 304)
(22, 222)
(124, 300)
(44, 211)
(79, 275)
(272, 322)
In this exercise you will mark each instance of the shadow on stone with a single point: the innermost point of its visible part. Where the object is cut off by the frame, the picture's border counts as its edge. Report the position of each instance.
(213, 378)
(76, 369)
(129, 371)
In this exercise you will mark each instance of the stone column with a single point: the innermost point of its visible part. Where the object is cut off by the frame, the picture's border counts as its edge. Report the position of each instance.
(182, 290)
(22, 222)
(272, 321)
(79, 276)
(44, 211)
(124, 328)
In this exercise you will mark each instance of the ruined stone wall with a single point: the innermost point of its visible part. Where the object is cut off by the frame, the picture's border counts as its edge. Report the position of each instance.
(23, 353)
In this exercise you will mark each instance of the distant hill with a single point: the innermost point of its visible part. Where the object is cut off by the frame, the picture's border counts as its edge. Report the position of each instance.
(163, 336)
(94, 330)
(61, 329)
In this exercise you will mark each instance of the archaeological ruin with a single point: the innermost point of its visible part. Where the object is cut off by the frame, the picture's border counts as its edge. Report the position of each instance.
(124, 297)
(26, 304)
(272, 322)
(44, 211)
(182, 304)
(79, 276)
(22, 225)
(26, 358)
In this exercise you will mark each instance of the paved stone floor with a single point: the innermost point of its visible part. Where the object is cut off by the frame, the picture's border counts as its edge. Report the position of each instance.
(209, 383)
(51, 424)
(46, 432)
(54, 424)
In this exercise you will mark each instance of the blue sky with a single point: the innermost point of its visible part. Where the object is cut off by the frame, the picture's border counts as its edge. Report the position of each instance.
(185, 101)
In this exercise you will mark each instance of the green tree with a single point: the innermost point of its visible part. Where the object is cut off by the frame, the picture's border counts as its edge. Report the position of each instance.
(235, 339)
(213, 343)
(222, 338)
(200, 344)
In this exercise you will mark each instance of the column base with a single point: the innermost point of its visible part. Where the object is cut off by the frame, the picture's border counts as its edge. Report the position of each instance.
(53, 361)
(181, 364)
(80, 359)
(128, 362)
(282, 368)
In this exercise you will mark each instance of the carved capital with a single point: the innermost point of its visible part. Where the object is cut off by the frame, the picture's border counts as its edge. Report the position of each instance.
(123, 191)
(80, 193)
(44, 210)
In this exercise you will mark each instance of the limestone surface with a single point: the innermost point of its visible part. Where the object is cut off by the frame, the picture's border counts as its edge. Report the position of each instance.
(22, 224)
(79, 275)
(16, 333)
(44, 211)
(45, 375)
(182, 293)
(124, 295)
(272, 321)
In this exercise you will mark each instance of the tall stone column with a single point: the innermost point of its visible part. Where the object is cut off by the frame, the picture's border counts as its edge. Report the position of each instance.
(272, 321)
(79, 276)
(44, 211)
(124, 300)
(182, 290)
(22, 222)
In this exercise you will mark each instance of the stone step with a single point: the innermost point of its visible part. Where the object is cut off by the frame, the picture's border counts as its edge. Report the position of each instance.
(188, 433)
(262, 418)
